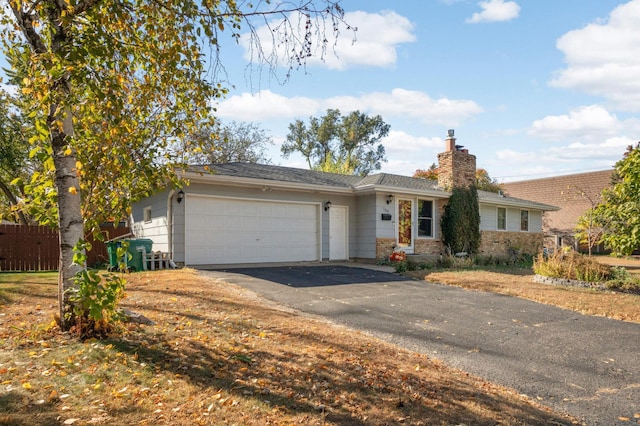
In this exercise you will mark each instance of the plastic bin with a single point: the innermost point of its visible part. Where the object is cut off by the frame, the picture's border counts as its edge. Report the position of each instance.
(134, 263)
(112, 252)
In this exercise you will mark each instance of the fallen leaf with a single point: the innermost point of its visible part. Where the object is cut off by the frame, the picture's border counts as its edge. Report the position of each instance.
(70, 421)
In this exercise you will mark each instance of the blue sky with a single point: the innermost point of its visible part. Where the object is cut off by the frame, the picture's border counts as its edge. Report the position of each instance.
(533, 88)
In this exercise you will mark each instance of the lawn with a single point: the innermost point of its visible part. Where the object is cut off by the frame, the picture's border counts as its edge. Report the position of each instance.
(216, 354)
(518, 282)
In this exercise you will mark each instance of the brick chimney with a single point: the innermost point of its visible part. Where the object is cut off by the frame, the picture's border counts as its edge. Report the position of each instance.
(456, 167)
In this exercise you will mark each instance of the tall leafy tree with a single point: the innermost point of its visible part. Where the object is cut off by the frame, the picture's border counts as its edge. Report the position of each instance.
(460, 221)
(430, 174)
(484, 182)
(234, 142)
(110, 84)
(336, 142)
(15, 165)
(618, 214)
(587, 230)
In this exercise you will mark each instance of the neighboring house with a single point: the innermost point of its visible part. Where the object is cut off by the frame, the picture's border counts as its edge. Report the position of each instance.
(252, 213)
(574, 194)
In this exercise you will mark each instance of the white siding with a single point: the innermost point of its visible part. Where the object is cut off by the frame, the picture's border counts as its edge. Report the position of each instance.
(272, 194)
(156, 230)
(366, 219)
(489, 219)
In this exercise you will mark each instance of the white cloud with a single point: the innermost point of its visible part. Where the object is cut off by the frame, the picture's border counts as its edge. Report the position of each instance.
(411, 104)
(590, 122)
(377, 39)
(495, 11)
(403, 143)
(603, 58)
(407, 153)
(267, 105)
(610, 150)
(569, 158)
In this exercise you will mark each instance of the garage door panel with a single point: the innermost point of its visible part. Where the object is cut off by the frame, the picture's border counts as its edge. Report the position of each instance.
(226, 231)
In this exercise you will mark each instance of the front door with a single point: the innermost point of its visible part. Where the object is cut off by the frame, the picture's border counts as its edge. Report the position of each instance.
(338, 233)
(405, 228)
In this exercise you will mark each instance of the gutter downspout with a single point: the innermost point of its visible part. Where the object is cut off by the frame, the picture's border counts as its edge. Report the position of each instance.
(170, 223)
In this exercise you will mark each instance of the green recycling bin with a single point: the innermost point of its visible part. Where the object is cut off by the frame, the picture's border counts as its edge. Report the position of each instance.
(135, 262)
(112, 252)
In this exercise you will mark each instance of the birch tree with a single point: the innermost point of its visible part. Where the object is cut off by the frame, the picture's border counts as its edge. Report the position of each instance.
(110, 83)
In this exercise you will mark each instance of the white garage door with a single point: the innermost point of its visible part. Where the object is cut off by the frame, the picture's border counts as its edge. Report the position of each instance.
(225, 231)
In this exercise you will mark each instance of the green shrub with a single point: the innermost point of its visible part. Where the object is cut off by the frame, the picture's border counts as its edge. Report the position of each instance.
(622, 280)
(95, 297)
(460, 222)
(571, 266)
(400, 266)
(456, 262)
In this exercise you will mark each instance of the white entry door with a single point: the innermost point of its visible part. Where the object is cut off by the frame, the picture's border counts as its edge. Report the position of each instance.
(338, 249)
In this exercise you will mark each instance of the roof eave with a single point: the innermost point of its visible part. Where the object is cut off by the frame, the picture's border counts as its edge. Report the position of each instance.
(371, 189)
(517, 203)
(246, 181)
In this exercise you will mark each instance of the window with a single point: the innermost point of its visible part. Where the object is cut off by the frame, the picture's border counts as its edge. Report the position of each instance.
(146, 215)
(425, 218)
(502, 219)
(524, 220)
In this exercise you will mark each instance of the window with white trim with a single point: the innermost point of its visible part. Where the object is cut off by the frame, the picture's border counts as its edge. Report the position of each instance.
(425, 218)
(502, 219)
(524, 220)
(146, 214)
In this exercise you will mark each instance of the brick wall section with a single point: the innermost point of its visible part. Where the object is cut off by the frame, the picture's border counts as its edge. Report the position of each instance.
(384, 247)
(493, 243)
(456, 169)
(498, 243)
(428, 246)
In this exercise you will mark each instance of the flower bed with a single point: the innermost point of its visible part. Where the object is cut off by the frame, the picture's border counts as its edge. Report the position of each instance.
(398, 256)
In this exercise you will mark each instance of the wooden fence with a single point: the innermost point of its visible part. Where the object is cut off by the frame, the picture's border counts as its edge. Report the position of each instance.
(35, 248)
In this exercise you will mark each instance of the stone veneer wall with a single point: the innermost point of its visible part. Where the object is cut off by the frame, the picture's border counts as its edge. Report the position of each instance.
(493, 243)
(384, 247)
(456, 169)
(498, 243)
(428, 246)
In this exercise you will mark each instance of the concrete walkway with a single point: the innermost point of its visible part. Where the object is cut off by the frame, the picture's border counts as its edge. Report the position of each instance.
(585, 366)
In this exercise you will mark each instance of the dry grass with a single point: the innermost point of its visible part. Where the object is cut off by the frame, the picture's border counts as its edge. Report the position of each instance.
(519, 282)
(217, 355)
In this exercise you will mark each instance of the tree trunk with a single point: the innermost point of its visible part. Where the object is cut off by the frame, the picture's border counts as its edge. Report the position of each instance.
(67, 179)
(70, 224)
(13, 201)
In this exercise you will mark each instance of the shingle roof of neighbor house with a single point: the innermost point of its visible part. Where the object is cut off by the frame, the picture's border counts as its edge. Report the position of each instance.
(564, 192)
(275, 174)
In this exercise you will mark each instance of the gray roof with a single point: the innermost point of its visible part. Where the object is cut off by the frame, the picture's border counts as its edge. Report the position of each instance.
(501, 199)
(280, 174)
(381, 180)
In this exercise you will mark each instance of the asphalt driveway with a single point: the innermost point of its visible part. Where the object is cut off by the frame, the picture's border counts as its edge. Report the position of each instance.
(586, 366)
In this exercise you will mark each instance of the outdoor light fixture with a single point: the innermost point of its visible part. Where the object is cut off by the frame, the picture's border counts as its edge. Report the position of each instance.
(180, 196)
(327, 205)
(389, 198)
